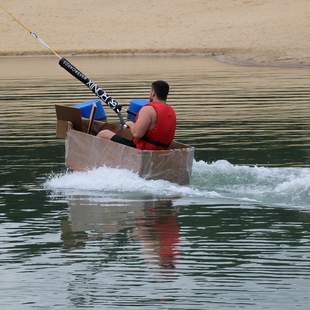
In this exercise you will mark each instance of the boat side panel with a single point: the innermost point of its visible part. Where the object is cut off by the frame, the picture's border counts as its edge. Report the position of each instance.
(84, 152)
(172, 165)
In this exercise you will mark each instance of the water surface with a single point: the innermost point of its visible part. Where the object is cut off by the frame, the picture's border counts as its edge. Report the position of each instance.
(236, 238)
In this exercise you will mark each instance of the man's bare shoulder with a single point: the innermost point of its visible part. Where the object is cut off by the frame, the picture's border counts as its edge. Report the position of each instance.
(148, 110)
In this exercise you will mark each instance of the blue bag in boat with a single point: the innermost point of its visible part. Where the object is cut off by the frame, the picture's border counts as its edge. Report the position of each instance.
(85, 108)
(134, 106)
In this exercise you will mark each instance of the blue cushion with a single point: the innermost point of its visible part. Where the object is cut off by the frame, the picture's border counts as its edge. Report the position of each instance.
(86, 106)
(134, 106)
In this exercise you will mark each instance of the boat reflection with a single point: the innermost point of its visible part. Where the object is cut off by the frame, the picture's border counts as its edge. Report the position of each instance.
(152, 225)
(158, 230)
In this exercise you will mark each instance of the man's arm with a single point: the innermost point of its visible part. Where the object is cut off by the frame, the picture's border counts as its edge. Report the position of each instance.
(143, 123)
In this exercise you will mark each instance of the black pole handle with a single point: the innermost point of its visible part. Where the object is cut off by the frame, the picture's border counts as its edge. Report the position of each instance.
(101, 94)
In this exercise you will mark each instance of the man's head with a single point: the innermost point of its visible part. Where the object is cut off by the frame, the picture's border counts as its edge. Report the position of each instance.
(159, 91)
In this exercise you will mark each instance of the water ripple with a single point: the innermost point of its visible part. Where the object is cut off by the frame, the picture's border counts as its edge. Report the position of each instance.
(236, 238)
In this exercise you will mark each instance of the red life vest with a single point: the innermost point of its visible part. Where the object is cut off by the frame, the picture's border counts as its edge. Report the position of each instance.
(161, 136)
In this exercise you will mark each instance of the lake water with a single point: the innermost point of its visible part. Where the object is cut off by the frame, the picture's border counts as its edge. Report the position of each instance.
(238, 237)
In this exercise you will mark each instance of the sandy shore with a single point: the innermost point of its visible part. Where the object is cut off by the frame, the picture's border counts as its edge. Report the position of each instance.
(263, 32)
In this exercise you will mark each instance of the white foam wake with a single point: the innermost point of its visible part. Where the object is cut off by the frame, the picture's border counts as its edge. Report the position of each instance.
(266, 185)
(221, 179)
(107, 181)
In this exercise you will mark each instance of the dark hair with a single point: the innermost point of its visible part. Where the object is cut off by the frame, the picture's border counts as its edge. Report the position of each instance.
(161, 89)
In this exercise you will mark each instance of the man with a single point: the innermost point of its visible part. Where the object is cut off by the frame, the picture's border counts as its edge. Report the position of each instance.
(155, 124)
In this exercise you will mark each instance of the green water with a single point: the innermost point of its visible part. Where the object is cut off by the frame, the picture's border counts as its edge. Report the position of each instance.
(237, 238)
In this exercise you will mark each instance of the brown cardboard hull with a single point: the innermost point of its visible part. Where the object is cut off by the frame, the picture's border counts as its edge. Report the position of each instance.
(85, 151)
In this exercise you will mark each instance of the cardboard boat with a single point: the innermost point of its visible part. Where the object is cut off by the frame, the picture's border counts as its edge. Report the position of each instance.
(87, 151)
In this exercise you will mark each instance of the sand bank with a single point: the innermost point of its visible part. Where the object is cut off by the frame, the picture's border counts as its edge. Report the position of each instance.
(265, 32)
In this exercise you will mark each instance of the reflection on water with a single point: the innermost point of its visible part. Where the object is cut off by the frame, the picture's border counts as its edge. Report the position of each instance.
(237, 238)
(152, 223)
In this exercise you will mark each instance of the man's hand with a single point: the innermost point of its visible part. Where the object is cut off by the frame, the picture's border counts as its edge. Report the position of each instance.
(129, 124)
